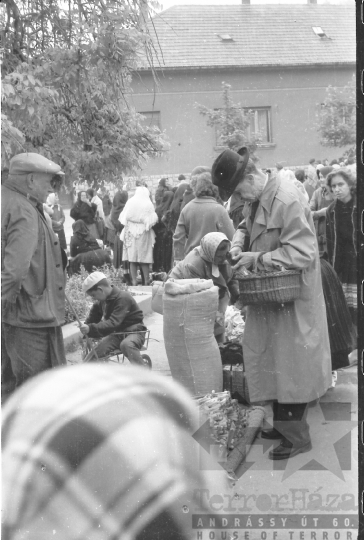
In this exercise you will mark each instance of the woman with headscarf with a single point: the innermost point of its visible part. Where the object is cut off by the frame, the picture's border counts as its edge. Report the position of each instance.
(208, 261)
(163, 247)
(201, 216)
(138, 237)
(85, 250)
(85, 210)
(101, 452)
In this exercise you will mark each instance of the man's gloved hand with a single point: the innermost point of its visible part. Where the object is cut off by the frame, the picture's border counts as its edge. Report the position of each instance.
(248, 259)
(234, 255)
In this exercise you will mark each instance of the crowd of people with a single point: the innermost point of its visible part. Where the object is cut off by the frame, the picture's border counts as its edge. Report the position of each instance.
(229, 217)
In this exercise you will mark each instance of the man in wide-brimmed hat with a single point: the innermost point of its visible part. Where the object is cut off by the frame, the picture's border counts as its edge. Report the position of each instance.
(32, 274)
(286, 346)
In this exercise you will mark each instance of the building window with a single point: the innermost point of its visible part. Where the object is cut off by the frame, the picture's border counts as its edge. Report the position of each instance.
(260, 124)
(151, 119)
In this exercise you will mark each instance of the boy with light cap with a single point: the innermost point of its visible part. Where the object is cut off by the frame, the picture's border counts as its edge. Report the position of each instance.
(113, 312)
(32, 272)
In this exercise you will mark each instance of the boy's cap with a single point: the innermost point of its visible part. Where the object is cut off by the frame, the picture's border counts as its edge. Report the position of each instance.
(33, 163)
(92, 280)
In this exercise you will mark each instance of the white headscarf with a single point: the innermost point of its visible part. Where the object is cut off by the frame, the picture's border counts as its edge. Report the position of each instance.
(51, 199)
(139, 210)
(208, 247)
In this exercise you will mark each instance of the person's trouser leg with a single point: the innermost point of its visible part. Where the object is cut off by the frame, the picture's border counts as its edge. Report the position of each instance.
(62, 239)
(131, 345)
(291, 422)
(107, 345)
(145, 273)
(133, 273)
(32, 350)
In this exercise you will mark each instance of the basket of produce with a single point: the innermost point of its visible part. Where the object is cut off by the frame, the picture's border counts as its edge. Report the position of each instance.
(278, 287)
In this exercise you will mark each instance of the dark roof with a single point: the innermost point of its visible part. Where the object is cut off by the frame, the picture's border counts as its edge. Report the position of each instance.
(263, 35)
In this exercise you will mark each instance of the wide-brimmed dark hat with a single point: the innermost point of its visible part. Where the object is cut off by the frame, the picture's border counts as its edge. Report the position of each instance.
(228, 170)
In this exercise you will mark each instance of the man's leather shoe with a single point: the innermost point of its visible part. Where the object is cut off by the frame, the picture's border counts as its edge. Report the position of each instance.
(286, 450)
(270, 434)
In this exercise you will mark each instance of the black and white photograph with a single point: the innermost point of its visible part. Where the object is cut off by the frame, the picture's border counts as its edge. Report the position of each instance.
(181, 269)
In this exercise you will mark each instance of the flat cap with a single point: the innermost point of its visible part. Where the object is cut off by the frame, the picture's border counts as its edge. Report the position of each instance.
(92, 280)
(31, 162)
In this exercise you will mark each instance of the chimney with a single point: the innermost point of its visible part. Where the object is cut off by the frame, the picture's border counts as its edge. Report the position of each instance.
(311, 1)
(245, 2)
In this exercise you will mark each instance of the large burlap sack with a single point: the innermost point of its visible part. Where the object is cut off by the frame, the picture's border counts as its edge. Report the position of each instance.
(187, 286)
(192, 351)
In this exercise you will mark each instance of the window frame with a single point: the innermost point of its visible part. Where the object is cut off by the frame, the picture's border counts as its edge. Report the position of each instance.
(156, 114)
(263, 144)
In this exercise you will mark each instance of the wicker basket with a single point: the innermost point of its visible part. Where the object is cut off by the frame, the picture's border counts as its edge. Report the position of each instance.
(270, 287)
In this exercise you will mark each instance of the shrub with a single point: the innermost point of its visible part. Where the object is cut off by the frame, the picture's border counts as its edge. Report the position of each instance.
(80, 301)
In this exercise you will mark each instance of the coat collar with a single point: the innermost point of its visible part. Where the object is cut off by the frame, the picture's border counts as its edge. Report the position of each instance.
(264, 208)
(33, 200)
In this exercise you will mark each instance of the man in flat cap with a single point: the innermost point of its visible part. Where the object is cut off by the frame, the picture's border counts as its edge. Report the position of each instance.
(32, 273)
(286, 346)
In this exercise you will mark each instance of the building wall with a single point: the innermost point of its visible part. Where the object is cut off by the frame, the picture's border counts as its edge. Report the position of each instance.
(293, 94)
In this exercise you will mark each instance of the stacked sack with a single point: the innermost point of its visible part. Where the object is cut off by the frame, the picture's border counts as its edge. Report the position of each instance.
(189, 312)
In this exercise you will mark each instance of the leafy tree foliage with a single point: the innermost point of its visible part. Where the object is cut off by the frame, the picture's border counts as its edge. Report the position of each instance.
(337, 124)
(232, 123)
(66, 73)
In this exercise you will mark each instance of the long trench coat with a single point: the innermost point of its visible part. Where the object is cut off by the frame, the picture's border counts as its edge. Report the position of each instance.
(286, 347)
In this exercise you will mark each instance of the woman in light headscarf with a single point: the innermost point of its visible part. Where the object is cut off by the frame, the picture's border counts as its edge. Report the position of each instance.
(163, 247)
(208, 261)
(138, 237)
(102, 452)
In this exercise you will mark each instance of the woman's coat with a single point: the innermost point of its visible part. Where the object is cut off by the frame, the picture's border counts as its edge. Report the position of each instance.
(286, 347)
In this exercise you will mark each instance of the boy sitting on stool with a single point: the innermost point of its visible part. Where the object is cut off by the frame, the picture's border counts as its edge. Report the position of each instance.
(114, 311)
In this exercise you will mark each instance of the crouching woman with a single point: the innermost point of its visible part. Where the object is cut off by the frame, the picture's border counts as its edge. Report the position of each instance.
(208, 261)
